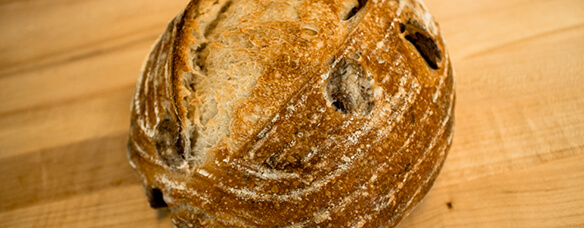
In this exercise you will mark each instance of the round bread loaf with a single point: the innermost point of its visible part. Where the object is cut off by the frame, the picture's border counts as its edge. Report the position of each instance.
(298, 113)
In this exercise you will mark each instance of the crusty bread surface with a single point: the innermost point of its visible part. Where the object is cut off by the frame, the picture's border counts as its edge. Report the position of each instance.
(283, 113)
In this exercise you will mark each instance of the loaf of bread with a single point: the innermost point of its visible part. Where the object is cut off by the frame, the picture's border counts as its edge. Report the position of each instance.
(293, 113)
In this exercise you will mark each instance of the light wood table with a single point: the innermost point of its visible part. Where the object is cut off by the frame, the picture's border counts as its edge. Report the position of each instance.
(68, 69)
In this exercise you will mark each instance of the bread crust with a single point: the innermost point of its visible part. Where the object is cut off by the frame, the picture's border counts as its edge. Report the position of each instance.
(347, 125)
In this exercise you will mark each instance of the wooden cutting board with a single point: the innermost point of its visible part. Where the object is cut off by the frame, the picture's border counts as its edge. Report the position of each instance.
(68, 71)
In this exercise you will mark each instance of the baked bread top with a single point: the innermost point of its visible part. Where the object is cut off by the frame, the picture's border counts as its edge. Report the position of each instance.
(293, 113)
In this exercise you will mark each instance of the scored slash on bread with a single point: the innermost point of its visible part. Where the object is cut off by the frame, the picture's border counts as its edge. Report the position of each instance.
(293, 113)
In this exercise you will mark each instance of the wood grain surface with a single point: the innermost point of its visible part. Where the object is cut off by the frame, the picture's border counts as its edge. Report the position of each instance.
(68, 69)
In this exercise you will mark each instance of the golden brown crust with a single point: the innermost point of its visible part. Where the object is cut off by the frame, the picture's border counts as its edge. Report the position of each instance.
(348, 124)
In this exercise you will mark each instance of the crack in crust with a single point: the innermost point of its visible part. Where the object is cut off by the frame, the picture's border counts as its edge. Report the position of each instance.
(416, 34)
(349, 88)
